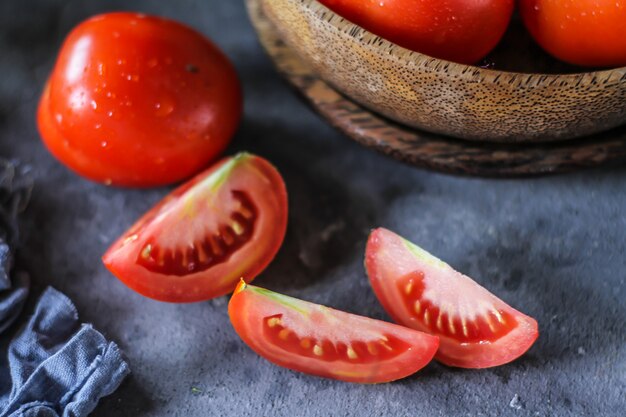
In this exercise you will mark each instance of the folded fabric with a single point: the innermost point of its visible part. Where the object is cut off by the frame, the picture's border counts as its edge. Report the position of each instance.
(15, 188)
(58, 367)
(12, 300)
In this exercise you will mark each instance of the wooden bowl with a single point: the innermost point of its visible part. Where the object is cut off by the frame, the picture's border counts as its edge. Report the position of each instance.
(430, 150)
(443, 97)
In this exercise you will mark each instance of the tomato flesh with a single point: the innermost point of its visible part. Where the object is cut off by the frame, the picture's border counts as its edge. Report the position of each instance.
(321, 341)
(196, 243)
(138, 100)
(209, 248)
(476, 329)
(581, 32)
(387, 347)
(490, 327)
(457, 30)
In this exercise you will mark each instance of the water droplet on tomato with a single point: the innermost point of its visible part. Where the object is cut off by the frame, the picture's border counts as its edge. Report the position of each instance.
(102, 69)
(108, 181)
(59, 118)
(97, 126)
(153, 63)
(164, 107)
(94, 105)
(104, 143)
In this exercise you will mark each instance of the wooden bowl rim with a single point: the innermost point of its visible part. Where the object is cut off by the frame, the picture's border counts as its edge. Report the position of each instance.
(444, 67)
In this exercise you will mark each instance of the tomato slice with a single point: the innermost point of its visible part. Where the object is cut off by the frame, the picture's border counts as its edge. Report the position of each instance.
(476, 329)
(318, 340)
(196, 243)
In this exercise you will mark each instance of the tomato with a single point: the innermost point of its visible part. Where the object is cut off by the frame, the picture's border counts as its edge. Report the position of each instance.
(456, 30)
(137, 100)
(476, 329)
(581, 32)
(321, 341)
(196, 243)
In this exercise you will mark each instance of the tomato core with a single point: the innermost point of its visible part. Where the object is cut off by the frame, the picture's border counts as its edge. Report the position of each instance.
(387, 347)
(490, 327)
(211, 249)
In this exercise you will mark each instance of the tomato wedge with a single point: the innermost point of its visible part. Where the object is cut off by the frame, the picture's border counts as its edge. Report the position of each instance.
(476, 329)
(196, 243)
(318, 340)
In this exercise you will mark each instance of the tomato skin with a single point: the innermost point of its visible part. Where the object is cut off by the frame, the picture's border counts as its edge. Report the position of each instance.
(456, 30)
(250, 306)
(192, 207)
(580, 32)
(388, 260)
(137, 100)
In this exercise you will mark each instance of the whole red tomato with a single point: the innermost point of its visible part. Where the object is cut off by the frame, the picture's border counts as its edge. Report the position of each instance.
(457, 30)
(137, 100)
(581, 32)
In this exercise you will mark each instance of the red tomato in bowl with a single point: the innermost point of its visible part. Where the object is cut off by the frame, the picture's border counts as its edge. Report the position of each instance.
(321, 341)
(197, 243)
(137, 100)
(476, 329)
(581, 32)
(461, 31)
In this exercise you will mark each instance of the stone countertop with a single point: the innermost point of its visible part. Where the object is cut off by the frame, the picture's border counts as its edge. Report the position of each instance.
(552, 247)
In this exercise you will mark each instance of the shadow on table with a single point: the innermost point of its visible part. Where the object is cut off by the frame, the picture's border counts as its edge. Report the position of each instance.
(549, 282)
(328, 219)
(130, 398)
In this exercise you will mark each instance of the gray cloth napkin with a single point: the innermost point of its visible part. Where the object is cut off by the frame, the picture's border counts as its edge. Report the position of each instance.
(56, 367)
(15, 189)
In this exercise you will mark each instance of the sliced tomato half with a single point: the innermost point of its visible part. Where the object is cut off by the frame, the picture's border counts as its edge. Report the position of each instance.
(318, 340)
(196, 243)
(476, 329)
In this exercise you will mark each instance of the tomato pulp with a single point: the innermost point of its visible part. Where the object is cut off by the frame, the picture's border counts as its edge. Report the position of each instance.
(457, 30)
(196, 243)
(137, 100)
(476, 329)
(321, 341)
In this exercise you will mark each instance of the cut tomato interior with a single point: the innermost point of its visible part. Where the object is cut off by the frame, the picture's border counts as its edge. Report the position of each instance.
(476, 329)
(318, 340)
(196, 243)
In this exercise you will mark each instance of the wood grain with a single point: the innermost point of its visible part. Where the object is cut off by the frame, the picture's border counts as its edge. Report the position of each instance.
(428, 150)
(439, 96)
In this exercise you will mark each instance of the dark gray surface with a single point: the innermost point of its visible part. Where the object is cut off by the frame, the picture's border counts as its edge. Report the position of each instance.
(552, 247)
